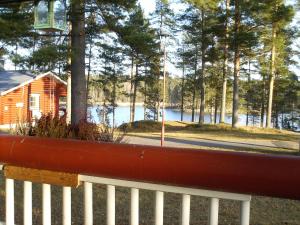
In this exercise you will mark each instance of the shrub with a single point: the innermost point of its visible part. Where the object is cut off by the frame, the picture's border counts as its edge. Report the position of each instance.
(55, 127)
(23, 129)
(52, 127)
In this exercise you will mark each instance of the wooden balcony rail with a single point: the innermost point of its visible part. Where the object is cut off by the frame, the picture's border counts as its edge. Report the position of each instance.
(244, 173)
(213, 174)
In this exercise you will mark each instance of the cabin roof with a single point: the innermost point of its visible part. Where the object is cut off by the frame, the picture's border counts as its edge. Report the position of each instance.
(12, 80)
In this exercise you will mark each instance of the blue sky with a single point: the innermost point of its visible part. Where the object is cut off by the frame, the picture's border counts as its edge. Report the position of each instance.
(148, 5)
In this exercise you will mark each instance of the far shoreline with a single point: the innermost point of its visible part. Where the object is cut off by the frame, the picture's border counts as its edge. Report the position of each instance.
(178, 109)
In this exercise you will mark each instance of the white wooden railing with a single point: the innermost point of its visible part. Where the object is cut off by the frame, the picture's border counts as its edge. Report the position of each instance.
(211, 174)
(111, 184)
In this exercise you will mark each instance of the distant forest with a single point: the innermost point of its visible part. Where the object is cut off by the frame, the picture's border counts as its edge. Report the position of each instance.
(230, 56)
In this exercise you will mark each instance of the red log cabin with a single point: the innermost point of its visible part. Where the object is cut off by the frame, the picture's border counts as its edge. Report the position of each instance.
(25, 96)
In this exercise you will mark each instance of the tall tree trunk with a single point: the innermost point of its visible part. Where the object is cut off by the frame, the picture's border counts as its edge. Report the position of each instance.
(135, 82)
(262, 113)
(195, 83)
(33, 50)
(114, 101)
(131, 88)
(272, 77)
(193, 105)
(16, 53)
(145, 99)
(225, 69)
(88, 76)
(202, 81)
(182, 92)
(161, 22)
(216, 107)
(78, 62)
(276, 117)
(212, 119)
(247, 115)
(282, 117)
(69, 82)
(235, 107)
(168, 97)
(293, 113)
(248, 92)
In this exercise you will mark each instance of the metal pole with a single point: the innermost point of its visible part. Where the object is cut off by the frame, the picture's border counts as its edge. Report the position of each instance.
(164, 99)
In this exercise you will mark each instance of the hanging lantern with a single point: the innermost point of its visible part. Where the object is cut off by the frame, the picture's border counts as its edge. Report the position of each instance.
(50, 15)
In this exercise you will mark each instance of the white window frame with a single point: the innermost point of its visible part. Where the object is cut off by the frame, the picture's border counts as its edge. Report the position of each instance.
(19, 104)
(37, 99)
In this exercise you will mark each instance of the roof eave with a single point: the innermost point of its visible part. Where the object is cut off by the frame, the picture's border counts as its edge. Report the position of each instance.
(32, 80)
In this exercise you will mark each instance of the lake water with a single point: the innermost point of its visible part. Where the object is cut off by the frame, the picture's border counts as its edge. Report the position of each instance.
(123, 116)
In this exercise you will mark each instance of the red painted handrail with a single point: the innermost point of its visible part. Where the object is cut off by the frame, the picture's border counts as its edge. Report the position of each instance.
(266, 175)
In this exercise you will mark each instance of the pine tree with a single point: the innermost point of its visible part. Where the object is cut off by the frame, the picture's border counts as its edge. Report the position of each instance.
(183, 61)
(226, 56)
(236, 63)
(280, 16)
(199, 25)
(137, 35)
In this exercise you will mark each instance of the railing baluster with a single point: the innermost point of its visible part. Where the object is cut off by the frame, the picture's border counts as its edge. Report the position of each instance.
(245, 212)
(159, 208)
(67, 206)
(111, 205)
(134, 217)
(213, 211)
(185, 211)
(27, 203)
(88, 203)
(46, 204)
(10, 213)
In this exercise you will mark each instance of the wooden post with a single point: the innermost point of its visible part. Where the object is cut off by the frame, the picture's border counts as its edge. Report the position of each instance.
(42, 176)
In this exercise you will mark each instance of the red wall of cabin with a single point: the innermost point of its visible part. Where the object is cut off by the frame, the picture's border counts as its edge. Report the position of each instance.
(44, 87)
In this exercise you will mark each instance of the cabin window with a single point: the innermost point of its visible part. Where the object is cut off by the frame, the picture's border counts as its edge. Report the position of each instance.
(34, 101)
(62, 105)
(62, 102)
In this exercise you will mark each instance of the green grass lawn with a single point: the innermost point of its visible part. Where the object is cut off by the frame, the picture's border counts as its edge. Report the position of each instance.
(258, 140)
(220, 131)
